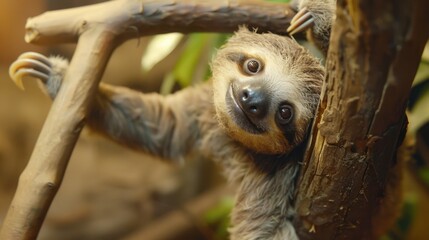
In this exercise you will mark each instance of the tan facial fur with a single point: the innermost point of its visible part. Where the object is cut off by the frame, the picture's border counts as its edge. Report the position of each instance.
(289, 74)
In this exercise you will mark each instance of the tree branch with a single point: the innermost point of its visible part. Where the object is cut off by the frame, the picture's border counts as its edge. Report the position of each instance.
(43, 175)
(374, 53)
(99, 29)
(155, 17)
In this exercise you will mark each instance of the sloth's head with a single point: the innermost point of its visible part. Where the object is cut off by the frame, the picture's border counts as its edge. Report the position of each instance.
(266, 89)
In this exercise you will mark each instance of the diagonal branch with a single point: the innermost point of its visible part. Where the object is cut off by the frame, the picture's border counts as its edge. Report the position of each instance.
(99, 29)
(43, 175)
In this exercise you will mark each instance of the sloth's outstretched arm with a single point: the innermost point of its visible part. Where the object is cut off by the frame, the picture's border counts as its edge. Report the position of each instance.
(163, 126)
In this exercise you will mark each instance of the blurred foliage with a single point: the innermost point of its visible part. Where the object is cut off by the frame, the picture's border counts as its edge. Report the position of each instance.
(159, 48)
(419, 97)
(424, 175)
(418, 115)
(196, 47)
(192, 66)
(403, 224)
(218, 218)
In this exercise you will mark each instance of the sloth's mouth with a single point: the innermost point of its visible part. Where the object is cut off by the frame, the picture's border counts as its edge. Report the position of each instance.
(238, 115)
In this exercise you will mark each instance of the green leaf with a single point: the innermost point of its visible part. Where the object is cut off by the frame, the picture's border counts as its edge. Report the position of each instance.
(219, 217)
(193, 63)
(167, 84)
(420, 111)
(424, 175)
(186, 65)
(404, 223)
(220, 211)
(422, 73)
(158, 48)
(219, 40)
(425, 55)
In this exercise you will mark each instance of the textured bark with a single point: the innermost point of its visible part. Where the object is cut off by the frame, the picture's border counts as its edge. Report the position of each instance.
(155, 17)
(374, 53)
(99, 29)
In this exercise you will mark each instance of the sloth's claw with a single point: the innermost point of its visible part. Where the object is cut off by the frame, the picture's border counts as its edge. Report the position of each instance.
(302, 21)
(36, 56)
(30, 64)
(24, 72)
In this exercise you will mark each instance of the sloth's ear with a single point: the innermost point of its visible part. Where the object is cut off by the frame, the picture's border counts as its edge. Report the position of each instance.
(243, 29)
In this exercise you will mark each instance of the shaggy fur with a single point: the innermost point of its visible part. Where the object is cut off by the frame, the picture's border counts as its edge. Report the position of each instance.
(197, 119)
(200, 119)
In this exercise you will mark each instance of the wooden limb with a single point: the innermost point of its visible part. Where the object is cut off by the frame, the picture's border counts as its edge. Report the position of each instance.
(43, 175)
(153, 17)
(373, 57)
(99, 29)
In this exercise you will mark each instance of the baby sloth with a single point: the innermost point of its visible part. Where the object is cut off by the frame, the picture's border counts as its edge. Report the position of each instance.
(251, 118)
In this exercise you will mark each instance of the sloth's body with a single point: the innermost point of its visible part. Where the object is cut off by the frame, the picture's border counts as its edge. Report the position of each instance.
(253, 124)
(251, 118)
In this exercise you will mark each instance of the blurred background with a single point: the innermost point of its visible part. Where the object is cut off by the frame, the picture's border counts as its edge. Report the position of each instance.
(111, 192)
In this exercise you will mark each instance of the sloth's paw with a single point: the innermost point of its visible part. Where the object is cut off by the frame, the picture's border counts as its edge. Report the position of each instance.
(49, 71)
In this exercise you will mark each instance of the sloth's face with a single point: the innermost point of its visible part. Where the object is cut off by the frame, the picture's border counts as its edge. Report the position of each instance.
(264, 97)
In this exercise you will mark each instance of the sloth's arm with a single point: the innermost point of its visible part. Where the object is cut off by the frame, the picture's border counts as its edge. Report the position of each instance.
(163, 126)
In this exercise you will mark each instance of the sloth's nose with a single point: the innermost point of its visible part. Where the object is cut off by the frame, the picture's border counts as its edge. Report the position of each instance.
(253, 100)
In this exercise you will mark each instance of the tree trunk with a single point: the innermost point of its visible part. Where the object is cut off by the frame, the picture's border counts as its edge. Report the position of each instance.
(350, 165)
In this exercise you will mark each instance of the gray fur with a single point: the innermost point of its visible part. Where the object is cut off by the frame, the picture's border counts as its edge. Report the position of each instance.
(264, 166)
(191, 120)
(198, 119)
(53, 84)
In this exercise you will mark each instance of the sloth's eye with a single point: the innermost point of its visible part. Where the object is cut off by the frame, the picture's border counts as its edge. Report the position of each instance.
(252, 66)
(285, 113)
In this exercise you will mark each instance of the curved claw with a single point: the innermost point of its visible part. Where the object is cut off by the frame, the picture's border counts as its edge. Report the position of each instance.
(30, 64)
(36, 56)
(302, 21)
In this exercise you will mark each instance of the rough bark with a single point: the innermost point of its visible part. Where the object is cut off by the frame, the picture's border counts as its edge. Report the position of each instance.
(155, 17)
(99, 29)
(374, 53)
